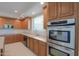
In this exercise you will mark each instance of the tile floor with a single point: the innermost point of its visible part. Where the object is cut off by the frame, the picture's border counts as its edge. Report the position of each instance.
(17, 49)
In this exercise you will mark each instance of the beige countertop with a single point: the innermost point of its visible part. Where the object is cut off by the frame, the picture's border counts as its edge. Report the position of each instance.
(24, 32)
(44, 39)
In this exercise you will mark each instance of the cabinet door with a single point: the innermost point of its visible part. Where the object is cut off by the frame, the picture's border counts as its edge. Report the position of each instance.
(31, 43)
(9, 39)
(52, 10)
(27, 42)
(36, 46)
(19, 37)
(42, 49)
(45, 13)
(24, 24)
(65, 9)
(13, 38)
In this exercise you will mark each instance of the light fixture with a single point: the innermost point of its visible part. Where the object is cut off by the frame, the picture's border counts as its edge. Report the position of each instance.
(21, 16)
(15, 11)
(42, 3)
(33, 13)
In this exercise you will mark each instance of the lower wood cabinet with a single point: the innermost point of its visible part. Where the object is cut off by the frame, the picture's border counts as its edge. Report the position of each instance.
(31, 43)
(9, 39)
(42, 48)
(27, 42)
(37, 47)
(13, 38)
(19, 37)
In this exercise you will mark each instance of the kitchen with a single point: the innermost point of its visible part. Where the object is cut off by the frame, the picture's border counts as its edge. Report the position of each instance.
(39, 29)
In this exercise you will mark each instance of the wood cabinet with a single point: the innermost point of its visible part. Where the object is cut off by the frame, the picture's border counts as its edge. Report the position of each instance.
(45, 13)
(18, 37)
(65, 9)
(36, 47)
(13, 38)
(31, 43)
(16, 24)
(9, 39)
(50, 11)
(54, 10)
(27, 42)
(42, 48)
(24, 24)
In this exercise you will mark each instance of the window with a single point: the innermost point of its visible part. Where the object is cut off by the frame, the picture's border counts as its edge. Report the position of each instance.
(37, 23)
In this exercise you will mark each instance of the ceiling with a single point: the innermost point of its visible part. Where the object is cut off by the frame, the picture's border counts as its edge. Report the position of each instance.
(22, 9)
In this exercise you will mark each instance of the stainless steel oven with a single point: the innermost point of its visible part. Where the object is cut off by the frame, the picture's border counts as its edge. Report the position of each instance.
(60, 35)
(62, 32)
(57, 50)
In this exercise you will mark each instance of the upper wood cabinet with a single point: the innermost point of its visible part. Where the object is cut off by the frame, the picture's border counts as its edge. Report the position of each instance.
(57, 10)
(65, 9)
(45, 13)
(52, 10)
(49, 12)
(24, 24)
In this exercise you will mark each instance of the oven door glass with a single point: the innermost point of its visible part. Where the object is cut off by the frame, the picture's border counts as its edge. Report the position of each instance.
(56, 52)
(59, 35)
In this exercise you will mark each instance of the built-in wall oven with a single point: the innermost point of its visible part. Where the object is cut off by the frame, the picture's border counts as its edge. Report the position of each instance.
(61, 33)
(57, 50)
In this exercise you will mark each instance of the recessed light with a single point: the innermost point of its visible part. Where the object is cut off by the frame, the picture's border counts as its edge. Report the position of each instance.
(33, 13)
(15, 11)
(42, 2)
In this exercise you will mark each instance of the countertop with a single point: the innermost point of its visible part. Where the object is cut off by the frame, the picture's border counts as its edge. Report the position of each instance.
(41, 37)
(38, 37)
